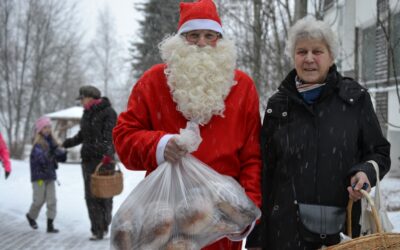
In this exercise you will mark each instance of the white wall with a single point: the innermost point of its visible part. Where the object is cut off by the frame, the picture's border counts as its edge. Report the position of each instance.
(344, 19)
(394, 138)
(348, 35)
(394, 110)
(395, 5)
(365, 13)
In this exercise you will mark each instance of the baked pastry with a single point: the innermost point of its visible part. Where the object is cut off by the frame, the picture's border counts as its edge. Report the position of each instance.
(240, 214)
(217, 229)
(125, 230)
(122, 240)
(158, 222)
(224, 226)
(194, 215)
(181, 243)
(234, 205)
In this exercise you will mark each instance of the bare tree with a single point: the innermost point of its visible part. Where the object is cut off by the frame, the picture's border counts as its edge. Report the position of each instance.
(105, 49)
(300, 9)
(260, 30)
(34, 38)
(159, 21)
(386, 24)
(257, 38)
(386, 69)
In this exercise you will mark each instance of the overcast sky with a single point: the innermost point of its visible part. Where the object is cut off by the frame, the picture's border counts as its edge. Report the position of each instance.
(125, 15)
(126, 19)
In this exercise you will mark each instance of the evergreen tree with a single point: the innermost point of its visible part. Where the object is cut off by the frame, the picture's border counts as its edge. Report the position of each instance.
(160, 20)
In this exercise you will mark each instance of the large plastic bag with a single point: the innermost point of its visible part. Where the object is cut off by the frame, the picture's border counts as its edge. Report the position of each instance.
(186, 205)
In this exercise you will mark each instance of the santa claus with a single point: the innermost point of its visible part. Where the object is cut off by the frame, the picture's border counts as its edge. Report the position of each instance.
(197, 82)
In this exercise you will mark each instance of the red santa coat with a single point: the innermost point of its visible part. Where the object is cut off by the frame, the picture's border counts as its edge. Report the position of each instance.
(230, 144)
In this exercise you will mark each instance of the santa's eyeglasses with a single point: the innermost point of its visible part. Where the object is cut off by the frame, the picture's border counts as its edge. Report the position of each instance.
(195, 36)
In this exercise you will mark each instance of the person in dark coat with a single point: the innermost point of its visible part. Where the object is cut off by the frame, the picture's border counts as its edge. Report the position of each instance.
(319, 136)
(45, 155)
(95, 135)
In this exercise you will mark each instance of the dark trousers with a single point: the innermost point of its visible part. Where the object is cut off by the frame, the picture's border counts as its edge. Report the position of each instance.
(100, 210)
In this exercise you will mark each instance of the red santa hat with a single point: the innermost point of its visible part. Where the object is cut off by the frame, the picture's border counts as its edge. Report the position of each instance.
(199, 15)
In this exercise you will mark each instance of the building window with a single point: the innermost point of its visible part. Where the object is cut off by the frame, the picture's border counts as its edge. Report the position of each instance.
(367, 55)
(395, 43)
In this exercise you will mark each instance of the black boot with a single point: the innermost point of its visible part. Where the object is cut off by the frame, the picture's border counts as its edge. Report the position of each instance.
(32, 222)
(50, 227)
(97, 236)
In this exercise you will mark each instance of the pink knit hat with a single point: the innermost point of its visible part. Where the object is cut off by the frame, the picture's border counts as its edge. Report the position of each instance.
(41, 123)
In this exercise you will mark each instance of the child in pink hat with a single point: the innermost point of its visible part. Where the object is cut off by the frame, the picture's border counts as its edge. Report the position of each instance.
(41, 123)
(45, 155)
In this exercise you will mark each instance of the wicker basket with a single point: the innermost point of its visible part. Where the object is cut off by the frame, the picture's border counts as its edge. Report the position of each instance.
(106, 186)
(380, 240)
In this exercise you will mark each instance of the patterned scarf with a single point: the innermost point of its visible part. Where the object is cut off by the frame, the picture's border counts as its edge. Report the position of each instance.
(309, 91)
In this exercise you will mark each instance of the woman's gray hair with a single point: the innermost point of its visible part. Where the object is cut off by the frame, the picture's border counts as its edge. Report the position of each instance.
(310, 28)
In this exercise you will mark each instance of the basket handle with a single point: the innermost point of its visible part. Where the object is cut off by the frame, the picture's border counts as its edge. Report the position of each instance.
(374, 213)
(96, 172)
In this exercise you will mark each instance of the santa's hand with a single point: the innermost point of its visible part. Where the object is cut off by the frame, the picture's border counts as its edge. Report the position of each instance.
(173, 152)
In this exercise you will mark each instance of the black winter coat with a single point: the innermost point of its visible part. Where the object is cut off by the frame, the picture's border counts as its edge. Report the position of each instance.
(95, 133)
(318, 148)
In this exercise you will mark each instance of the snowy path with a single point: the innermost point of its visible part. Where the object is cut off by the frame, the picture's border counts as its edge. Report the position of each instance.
(16, 234)
(72, 219)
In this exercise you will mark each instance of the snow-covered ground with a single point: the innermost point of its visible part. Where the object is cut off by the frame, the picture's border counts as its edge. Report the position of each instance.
(16, 196)
(72, 216)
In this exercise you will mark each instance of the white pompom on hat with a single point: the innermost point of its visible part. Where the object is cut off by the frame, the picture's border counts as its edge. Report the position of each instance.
(200, 15)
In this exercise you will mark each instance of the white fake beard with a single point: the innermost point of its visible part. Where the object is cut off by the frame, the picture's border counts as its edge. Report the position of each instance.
(199, 78)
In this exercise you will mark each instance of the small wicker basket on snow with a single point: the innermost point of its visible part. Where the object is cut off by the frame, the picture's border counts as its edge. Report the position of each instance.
(106, 186)
(379, 240)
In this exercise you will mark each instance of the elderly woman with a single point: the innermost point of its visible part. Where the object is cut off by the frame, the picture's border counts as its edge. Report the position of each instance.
(319, 141)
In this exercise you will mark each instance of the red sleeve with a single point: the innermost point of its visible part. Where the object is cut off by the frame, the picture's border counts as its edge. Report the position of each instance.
(250, 157)
(134, 139)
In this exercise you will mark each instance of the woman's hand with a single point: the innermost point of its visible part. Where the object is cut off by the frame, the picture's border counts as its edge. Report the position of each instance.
(173, 152)
(358, 181)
